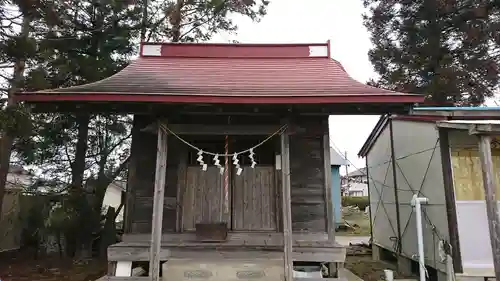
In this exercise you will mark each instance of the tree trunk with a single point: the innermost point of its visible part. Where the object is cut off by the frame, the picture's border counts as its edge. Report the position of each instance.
(176, 22)
(78, 165)
(108, 234)
(78, 193)
(7, 139)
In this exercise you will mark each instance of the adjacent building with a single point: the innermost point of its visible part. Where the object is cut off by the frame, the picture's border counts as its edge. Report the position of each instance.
(336, 162)
(408, 155)
(355, 183)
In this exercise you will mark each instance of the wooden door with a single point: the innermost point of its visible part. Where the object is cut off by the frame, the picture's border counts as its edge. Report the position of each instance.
(203, 198)
(254, 199)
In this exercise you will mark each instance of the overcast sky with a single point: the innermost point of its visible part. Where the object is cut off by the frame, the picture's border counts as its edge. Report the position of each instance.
(316, 21)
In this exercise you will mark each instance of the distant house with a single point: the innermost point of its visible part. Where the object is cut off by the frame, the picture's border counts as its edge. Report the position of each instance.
(336, 161)
(113, 197)
(17, 179)
(356, 183)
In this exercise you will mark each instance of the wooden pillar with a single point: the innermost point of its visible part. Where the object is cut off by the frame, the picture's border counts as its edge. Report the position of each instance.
(491, 200)
(449, 196)
(287, 207)
(158, 198)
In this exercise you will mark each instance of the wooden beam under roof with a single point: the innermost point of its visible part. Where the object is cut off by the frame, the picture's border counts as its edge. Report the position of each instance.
(458, 112)
(474, 127)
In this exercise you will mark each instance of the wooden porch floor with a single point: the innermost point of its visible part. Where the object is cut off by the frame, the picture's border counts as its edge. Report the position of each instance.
(145, 278)
(306, 247)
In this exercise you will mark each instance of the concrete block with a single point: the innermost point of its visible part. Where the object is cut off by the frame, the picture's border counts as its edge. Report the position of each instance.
(222, 270)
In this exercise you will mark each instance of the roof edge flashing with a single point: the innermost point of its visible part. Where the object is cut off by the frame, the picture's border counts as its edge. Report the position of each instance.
(235, 50)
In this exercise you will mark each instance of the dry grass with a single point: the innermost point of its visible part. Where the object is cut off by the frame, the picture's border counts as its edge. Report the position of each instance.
(358, 220)
(360, 262)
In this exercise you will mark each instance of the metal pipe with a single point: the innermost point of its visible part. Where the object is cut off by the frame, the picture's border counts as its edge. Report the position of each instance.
(417, 202)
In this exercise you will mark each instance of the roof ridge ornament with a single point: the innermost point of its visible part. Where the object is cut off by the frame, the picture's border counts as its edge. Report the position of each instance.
(234, 50)
(153, 50)
(318, 51)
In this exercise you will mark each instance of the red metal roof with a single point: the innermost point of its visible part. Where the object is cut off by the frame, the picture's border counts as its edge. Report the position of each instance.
(229, 73)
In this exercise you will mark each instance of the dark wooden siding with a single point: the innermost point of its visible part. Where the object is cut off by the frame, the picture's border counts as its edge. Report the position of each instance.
(307, 178)
(307, 186)
(254, 196)
(141, 180)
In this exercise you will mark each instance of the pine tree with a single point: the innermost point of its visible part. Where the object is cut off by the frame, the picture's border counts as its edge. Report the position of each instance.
(16, 48)
(448, 50)
(198, 20)
(78, 42)
(82, 41)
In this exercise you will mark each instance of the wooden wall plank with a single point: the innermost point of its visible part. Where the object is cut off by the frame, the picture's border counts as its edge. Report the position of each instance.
(135, 178)
(181, 186)
(142, 186)
(307, 182)
(139, 208)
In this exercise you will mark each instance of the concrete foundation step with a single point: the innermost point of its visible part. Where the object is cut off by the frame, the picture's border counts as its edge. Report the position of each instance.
(234, 270)
(222, 270)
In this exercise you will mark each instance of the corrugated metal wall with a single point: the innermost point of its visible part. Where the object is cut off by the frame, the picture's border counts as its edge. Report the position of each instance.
(383, 211)
(418, 171)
